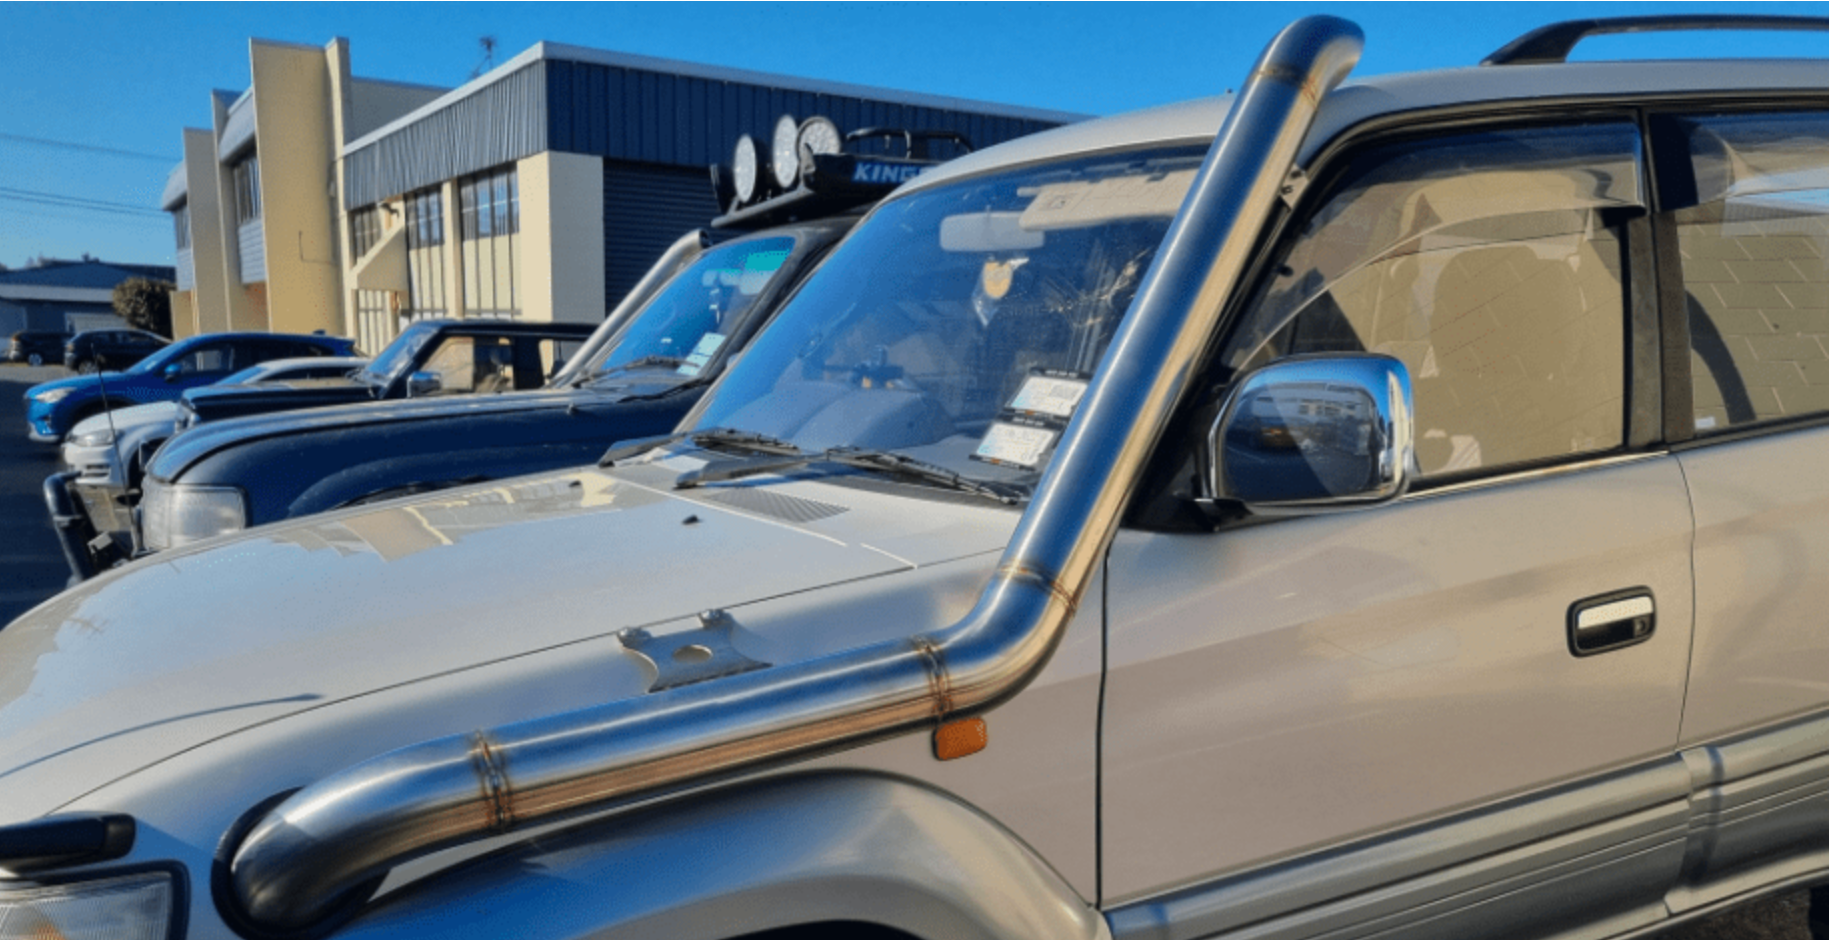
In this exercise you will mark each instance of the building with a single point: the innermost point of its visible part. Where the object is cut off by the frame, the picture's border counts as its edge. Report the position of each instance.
(67, 296)
(542, 190)
(254, 210)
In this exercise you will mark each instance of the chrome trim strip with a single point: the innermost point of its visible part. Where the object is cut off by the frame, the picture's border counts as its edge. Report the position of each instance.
(1735, 802)
(1758, 811)
(1536, 473)
(1749, 753)
(294, 866)
(1524, 839)
(1790, 883)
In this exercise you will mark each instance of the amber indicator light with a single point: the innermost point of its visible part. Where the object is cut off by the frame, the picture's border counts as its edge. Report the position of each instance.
(961, 738)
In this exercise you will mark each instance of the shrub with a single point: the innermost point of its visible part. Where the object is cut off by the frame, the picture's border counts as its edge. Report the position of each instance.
(145, 304)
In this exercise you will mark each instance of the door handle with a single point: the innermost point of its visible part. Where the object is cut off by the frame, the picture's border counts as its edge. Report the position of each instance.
(1611, 621)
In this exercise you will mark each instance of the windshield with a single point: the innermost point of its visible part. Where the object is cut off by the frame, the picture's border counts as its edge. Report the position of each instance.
(398, 356)
(960, 325)
(685, 326)
(157, 360)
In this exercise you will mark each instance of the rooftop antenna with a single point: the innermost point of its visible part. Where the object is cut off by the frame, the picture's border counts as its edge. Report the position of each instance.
(489, 55)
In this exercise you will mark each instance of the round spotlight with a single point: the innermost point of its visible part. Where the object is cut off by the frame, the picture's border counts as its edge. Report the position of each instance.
(783, 160)
(744, 168)
(817, 135)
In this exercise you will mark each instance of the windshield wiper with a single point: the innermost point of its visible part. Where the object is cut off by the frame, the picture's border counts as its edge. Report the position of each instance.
(861, 458)
(673, 389)
(641, 362)
(713, 437)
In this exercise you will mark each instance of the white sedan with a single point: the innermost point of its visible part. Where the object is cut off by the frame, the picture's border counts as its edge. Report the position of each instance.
(98, 447)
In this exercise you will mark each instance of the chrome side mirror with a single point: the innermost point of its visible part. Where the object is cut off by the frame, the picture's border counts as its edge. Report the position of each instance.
(423, 383)
(1314, 433)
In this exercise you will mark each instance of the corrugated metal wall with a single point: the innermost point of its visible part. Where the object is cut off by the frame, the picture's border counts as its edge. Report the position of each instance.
(502, 122)
(252, 251)
(627, 114)
(646, 208)
(652, 117)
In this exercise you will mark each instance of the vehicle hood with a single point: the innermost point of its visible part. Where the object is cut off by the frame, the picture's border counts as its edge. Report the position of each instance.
(123, 420)
(171, 652)
(79, 382)
(220, 403)
(205, 439)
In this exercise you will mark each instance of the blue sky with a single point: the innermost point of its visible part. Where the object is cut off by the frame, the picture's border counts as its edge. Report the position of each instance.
(92, 97)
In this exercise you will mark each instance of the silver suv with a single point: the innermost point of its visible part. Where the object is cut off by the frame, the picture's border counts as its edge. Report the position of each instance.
(1387, 509)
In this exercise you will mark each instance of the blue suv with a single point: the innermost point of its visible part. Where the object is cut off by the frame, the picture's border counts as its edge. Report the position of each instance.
(52, 408)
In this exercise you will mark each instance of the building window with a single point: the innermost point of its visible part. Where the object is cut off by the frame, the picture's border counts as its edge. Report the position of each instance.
(247, 174)
(181, 225)
(425, 218)
(364, 229)
(425, 254)
(490, 216)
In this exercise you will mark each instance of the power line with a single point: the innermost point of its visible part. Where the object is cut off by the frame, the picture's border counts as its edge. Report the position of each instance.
(73, 202)
(44, 204)
(91, 148)
(35, 211)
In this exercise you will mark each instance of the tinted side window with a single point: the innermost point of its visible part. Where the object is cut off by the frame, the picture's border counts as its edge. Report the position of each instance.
(1490, 264)
(482, 364)
(1752, 240)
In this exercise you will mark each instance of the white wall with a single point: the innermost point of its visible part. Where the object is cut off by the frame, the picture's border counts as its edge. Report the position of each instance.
(562, 237)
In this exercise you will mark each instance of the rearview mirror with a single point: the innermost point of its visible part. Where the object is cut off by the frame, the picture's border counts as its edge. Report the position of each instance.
(986, 233)
(1313, 433)
(172, 372)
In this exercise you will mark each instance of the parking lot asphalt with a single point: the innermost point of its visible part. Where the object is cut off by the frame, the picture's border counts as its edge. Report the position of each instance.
(32, 566)
(32, 569)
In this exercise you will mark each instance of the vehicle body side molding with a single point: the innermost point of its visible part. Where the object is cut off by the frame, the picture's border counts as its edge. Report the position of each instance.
(796, 849)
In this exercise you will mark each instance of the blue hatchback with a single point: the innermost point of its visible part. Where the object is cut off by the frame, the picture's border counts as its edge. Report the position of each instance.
(54, 407)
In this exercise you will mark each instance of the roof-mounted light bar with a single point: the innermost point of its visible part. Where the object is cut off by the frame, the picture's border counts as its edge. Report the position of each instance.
(807, 172)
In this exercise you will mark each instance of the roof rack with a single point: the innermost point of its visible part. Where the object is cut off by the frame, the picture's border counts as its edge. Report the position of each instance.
(1552, 44)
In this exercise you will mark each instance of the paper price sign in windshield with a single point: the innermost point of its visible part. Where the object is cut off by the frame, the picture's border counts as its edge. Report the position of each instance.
(1048, 395)
(1014, 445)
(701, 354)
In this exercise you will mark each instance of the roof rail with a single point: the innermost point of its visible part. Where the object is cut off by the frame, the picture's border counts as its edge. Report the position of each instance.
(1551, 44)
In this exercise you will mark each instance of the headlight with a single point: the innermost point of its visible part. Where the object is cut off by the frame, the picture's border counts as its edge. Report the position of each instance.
(171, 516)
(52, 396)
(94, 438)
(130, 907)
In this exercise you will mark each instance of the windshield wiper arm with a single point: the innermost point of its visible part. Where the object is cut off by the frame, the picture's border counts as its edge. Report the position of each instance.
(716, 437)
(673, 389)
(640, 362)
(886, 461)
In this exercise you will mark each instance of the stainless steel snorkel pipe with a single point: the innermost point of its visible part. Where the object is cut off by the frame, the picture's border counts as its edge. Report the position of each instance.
(684, 251)
(301, 860)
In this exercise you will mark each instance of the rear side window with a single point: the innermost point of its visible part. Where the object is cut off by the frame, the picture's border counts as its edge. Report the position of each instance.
(1752, 238)
(1490, 264)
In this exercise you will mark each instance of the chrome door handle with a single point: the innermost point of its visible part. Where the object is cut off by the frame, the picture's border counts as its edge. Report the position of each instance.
(1611, 621)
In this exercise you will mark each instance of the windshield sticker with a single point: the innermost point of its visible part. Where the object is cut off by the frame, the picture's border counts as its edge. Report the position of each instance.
(1081, 204)
(996, 276)
(758, 268)
(1053, 395)
(1014, 445)
(702, 353)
